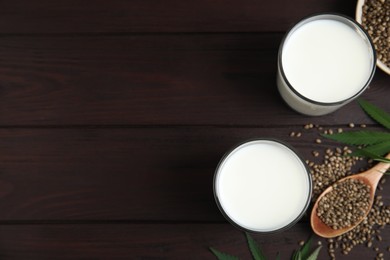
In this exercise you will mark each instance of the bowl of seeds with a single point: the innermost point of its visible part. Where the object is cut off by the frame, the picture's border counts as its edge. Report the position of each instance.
(374, 16)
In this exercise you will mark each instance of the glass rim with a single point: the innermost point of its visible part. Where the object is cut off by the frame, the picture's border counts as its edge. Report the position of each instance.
(305, 167)
(341, 18)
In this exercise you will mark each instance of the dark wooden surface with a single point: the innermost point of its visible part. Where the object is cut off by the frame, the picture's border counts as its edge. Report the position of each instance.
(114, 115)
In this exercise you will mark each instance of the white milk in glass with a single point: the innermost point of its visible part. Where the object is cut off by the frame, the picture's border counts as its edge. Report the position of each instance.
(262, 186)
(324, 62)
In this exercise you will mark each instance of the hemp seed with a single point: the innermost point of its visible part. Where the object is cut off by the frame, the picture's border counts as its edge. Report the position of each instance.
(375, 20)
(345, 205)
(334, 166)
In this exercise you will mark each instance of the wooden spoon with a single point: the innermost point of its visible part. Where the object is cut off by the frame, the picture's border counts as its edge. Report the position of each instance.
(371, 178)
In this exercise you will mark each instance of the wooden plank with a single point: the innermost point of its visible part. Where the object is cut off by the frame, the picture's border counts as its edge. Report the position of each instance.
(154, 241)
(146, 174)
(219, 79)
(121, 16)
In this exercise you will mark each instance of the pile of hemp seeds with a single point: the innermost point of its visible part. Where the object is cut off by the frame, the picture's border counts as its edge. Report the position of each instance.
(345, 204)
(376, 21)
(331, 165)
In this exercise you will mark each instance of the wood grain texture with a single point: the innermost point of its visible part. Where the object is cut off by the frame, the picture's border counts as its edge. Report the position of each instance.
(114, 115)
(121, 16)
(152, 241)
(218, 79)
(140, 174)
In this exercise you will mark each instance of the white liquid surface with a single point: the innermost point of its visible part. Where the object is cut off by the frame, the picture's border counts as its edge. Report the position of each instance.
(327, 61)
(262, 186)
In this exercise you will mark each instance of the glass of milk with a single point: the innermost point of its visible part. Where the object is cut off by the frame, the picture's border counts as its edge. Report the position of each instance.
(262, 186)
(324, 62)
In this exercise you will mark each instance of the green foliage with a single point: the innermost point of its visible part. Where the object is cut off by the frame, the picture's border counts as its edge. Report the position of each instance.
(360, 137)
(222, 256)
(376, 113)
(372, 144)
(315, 253)
(374, 151)
(257, 254)
(255, 248)
(304, 252)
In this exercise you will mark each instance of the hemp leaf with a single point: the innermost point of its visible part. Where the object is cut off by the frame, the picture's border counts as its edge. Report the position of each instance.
(255, 249)
(222, 256)
(360, 137)
(257, 253)
(314, 255)
(375, 113)
(373, 151)
(373, 144)
(304, 252)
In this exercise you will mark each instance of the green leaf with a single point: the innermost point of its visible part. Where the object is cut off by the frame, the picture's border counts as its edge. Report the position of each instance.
(360, 137)
(305, 248)
(255, 248)
(373, 151)
(383, 160)
(222, 256)
(365, 153)
(376, 113)
(297, 255)
(314, 255)
(375, 156)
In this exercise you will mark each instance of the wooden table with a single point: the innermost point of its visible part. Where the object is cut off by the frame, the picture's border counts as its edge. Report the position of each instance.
(114, 115)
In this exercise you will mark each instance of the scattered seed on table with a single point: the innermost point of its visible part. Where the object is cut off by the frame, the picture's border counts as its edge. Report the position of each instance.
(335, 165)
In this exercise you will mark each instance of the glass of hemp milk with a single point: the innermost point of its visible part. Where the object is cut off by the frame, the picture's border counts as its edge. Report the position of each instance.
(324, 62)
(262, 186)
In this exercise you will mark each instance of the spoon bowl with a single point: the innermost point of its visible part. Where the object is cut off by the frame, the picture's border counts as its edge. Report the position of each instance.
(371, 178)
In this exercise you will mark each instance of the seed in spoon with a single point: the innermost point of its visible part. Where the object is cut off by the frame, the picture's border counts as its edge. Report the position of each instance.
(345, 205)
